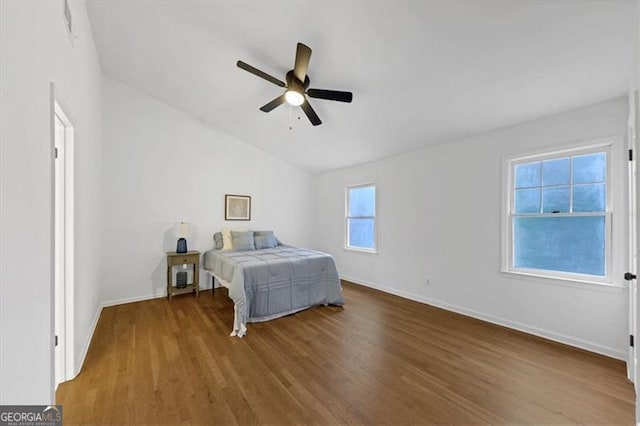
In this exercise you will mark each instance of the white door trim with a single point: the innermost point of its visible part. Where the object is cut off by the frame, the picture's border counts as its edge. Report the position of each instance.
(635, 267)
(59, 252)
(632, 361)
(58, 110)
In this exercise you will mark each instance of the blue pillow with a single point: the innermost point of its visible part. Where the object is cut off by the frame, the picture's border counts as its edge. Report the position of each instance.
(268, 234)
(242, 241)
(265, 241)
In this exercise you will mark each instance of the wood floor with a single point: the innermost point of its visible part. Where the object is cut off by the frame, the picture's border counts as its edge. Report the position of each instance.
(379, 360)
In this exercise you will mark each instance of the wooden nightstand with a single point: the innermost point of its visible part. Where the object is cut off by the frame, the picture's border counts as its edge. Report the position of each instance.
(188, 258)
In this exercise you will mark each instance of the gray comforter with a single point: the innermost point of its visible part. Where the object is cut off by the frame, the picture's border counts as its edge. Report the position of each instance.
(270, 283)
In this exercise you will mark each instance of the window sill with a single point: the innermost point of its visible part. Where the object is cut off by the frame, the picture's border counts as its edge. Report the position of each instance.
(361, 250)
(564, 281)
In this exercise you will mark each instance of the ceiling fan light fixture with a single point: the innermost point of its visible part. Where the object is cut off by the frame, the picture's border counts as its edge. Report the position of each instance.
(294, 98)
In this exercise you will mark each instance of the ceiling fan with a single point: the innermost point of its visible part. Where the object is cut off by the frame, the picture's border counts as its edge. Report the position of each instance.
(297, 86)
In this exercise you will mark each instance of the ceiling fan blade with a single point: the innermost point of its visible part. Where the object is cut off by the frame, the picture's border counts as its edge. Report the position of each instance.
(332, 95)
(273, 104)
(311, 114)
(303, 56)
(261, 74)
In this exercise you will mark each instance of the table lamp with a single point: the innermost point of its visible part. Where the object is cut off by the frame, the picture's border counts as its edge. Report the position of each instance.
(182, 232)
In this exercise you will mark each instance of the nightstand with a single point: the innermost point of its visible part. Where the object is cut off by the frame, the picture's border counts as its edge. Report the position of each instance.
(188, 258)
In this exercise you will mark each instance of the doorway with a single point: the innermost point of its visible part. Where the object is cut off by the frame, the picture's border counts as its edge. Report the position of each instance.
(63, 245)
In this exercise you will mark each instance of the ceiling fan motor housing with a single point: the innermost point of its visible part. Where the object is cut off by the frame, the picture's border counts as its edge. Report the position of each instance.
(294, 84)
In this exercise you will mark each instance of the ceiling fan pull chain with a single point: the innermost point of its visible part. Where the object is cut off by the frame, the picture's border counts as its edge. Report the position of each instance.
(290, 118)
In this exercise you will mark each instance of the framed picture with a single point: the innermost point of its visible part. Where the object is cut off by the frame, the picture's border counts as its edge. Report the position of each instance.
(237, 207)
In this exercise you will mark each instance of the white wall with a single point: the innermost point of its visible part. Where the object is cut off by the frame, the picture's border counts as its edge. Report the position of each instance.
(37, 50)
(160, 167)
(439, 216)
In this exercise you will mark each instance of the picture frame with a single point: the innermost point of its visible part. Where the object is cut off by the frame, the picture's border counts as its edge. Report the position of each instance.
(237, 207)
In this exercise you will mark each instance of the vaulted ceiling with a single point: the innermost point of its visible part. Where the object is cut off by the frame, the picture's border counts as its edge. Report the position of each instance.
(421, 72)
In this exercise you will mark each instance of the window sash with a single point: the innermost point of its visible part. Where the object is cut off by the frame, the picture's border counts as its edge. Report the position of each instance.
(362, 220)
(552, 272)
(571, 155)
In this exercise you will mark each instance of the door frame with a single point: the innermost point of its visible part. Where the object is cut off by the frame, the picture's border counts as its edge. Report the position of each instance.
(634, 143)
(58, 109)
(634, 208)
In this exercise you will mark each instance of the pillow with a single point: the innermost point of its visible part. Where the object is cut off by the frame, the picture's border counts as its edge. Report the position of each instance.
(227, 243)
(217, 238)
(242, 241)
(268, 234)
(265, 241)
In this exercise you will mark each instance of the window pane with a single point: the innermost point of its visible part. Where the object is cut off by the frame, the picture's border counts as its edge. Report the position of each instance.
(568, 244)
(528, 175)
(555, 172)
(361, 233)
(362, 201)
(527, 200)
(589, 168)
(556, 199)
(589, 198)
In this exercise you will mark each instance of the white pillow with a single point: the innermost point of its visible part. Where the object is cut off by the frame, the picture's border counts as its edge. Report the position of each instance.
(227, 241)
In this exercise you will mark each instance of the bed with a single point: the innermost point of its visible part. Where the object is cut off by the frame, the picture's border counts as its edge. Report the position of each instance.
(273, 282)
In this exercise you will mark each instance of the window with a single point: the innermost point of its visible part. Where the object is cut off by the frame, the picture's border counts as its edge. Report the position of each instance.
(360, 210)
(559, 214)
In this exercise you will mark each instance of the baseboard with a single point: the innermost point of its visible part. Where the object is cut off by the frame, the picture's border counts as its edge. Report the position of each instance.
(87, 343)
(132, 300)
(547, 334)
(143, 298)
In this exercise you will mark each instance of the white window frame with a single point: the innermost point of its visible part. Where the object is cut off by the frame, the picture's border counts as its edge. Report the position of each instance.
(347, 246)
(614, 222)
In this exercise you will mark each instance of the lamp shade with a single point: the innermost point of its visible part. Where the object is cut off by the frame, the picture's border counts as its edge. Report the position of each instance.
(182, 230)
